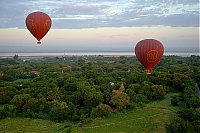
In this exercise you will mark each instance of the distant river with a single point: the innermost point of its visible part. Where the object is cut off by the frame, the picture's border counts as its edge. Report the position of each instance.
(183, 54)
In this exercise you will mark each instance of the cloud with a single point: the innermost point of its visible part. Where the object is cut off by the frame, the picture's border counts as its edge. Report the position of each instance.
(73, 14)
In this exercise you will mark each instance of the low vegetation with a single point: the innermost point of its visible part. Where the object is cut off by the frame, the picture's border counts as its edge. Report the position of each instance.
(146, 118)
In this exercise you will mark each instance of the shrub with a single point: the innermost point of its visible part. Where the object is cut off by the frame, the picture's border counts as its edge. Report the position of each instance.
(158, 92)
(192, 102)
(20, 100)
(190, 115)
(120, 100)
(7, 111)
(58, 115)
(187, 122)
(28, 114)
(75, 117)
(94, 113)
(104, 110)
(179, 125)
(4, 99)
(140, 98)
(3, 114)
(44, 107)
(175, 100)
(132, 106)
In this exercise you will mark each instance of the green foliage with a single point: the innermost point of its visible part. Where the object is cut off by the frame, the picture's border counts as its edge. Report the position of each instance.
(58, 115)
(8, 111)
(94, 112)
(103, 110)
(192, 101)
(149, 119)
(180, 81)
(140, 98)
(190, 98)
(44, 107)
(120, 100)
(72, 89)
(151, 91)
(188, 121)
(93, 98)
(4, 99)
(131, 93)
(20, 100)
(190, 115)
(158, 92)
(53, 94)
(179, 125)
(136, 93)
(4, 112)
(71, 84)
(11, 91)
(175, 100)
(35, 104)
(146, 89)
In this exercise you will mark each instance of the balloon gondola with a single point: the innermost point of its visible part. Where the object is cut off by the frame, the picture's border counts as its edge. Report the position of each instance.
(149, 52)
(38, 23)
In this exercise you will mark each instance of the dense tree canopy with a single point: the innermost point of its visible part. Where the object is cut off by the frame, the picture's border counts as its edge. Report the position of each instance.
(80, 87)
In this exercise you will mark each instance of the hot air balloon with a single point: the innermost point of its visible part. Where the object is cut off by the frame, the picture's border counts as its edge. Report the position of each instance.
(38, 23)
(149, 52)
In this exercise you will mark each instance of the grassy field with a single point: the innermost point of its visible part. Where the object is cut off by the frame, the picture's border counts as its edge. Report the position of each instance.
(26, 125)
(151, 119)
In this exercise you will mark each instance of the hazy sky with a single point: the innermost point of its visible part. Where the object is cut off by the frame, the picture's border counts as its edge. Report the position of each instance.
(103, 23)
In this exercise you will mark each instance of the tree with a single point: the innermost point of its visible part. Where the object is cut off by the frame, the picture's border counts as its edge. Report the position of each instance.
(146, 89)
(93, 98)
(158, 91)
(140, 98)
(179, 125)
(120, 100)
(192, 101)
(135, 87)
(15, 57)
(190, 98)
(58, 115)
(165, 79)
(20, 100)
(94, 113)
(4, 99)
(130, 93)
(70, 84)
(53, 94)
(83, 88)
(103, 110)
(11, 90)
(34, 104)
(190, 114)
(136, 76)
(180, 81)
(175, 100)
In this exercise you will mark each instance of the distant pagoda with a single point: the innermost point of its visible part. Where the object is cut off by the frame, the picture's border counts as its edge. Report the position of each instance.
(120, 90)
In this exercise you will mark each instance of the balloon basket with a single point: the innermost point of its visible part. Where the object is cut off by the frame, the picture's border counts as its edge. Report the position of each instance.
(38, 42)
(148, 72)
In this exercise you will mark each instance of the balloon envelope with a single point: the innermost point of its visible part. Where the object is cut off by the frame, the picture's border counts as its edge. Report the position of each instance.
(38, 23)
(149, 52)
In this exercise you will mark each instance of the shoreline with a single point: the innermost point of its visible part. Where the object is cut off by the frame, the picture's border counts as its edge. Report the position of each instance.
(106, 53)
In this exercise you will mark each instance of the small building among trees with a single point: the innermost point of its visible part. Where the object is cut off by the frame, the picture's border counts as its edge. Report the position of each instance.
(121, 89)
